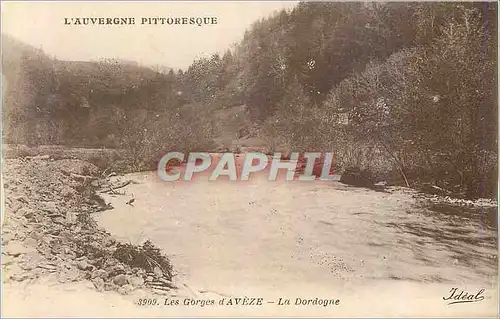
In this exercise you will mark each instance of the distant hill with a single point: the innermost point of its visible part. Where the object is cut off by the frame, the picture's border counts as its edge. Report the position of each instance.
(93, 104)
(109, 74)
(50, 101)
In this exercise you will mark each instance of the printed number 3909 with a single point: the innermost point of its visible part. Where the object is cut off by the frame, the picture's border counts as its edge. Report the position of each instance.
(148, 302)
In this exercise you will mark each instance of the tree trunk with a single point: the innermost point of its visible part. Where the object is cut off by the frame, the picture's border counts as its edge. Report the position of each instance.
(397, 161)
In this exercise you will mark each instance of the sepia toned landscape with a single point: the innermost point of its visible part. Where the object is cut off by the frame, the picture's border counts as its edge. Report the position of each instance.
(404, 95)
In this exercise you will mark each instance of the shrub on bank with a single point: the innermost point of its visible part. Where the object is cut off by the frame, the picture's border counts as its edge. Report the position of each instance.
(147, 257)
(356, 176)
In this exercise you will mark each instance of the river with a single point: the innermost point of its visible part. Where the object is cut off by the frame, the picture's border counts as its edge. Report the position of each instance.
(371, 249)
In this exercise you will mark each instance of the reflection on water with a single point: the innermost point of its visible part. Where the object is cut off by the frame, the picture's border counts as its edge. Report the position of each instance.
(470, 234)
(483, 217)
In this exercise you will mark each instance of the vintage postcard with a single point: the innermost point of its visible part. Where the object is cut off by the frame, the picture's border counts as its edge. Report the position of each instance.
(249, 159)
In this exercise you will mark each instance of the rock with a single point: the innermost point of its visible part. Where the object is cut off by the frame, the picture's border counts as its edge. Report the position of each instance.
(112, 262)
(59, 220)
(109, 242)
(70, 218)
(140, 272)
(26, 266)
(117, 270)
(149, 279)
(56, 249)
(120, 280)
(69, 275)
(22, 199)
(7, 260)
(51, 207)
(40, 157)
(11, 269)
(16, 248)
(67, 193)
(31, 217)
(125, 289)
(66, 234)
(84, 265)
(7, 238)
(21, 277)
(31, 242)
(99, 273)
(136, 281)
(158, 272)
(108, 286)
(47, 266)
(66, 250)
(98, 283)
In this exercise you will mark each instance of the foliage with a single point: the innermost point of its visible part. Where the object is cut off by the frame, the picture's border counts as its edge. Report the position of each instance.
(424, 108)
(147, 257)
(405, 89)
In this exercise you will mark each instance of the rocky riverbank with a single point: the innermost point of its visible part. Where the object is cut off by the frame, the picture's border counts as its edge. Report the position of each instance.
(278, 240)
(48, 230)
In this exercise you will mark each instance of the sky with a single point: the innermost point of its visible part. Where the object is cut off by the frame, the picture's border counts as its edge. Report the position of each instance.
(42, 25)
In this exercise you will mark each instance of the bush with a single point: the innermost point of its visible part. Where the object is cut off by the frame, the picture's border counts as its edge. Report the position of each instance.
(357, 177)
(146, 257)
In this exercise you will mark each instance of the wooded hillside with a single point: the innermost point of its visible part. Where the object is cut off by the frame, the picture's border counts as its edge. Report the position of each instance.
(404, 90)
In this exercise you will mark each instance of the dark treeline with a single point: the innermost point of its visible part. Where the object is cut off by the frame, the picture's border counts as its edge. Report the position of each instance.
(405, 91)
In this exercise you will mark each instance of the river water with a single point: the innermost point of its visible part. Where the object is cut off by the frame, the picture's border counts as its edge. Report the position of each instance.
(314, 239)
